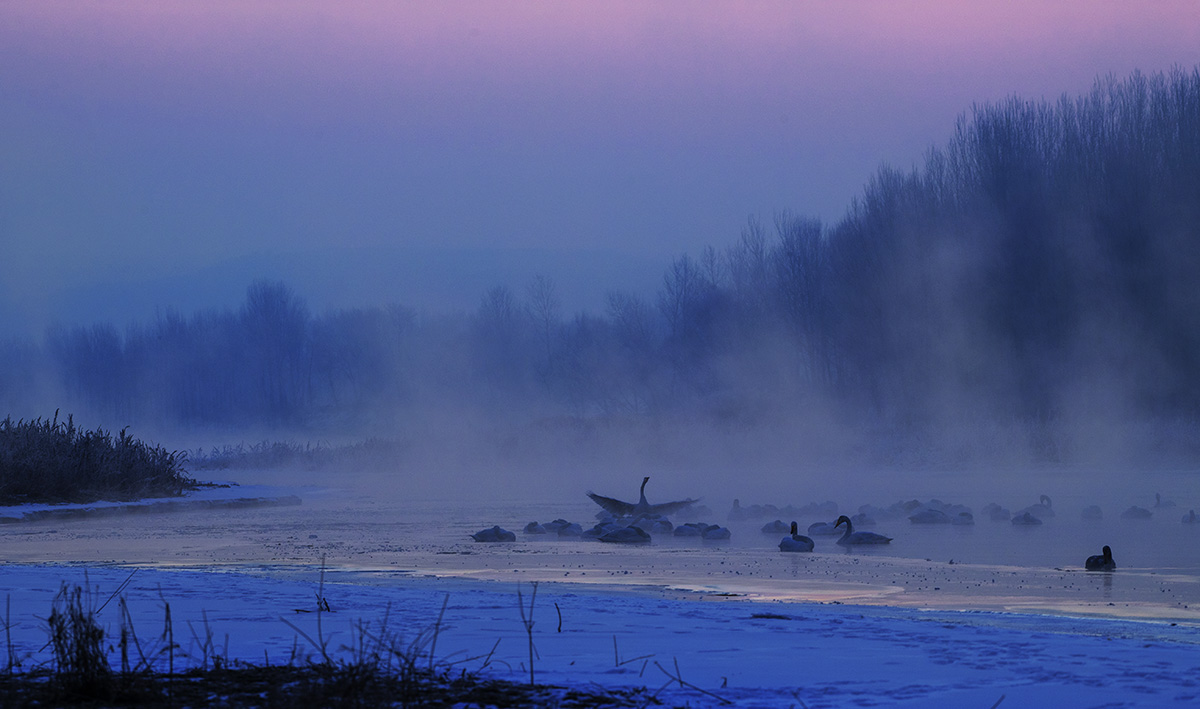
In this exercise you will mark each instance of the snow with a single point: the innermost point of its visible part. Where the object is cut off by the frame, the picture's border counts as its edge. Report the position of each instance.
(747, 624)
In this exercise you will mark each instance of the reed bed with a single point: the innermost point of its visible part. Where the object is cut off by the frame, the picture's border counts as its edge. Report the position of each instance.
(49, 460)
(309, 456)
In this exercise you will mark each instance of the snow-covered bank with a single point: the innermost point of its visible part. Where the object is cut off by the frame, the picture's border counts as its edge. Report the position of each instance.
(211, 497)
(748, 653)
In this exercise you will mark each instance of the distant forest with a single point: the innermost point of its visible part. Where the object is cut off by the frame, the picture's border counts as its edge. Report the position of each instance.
(1044, 264)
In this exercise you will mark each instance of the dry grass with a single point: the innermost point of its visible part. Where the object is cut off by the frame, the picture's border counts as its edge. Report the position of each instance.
(379, 669)
(55, 461)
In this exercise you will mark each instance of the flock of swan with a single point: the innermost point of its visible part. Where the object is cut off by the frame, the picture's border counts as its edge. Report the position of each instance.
(636, 523)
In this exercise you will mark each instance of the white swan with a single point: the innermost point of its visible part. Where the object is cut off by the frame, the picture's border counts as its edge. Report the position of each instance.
(796, 542)
(852, 538)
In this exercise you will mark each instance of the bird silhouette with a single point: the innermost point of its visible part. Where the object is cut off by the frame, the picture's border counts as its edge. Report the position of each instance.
(1101, 562)
(642, 507)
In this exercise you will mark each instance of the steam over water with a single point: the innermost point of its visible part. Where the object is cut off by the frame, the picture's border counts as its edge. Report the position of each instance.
(991, 564)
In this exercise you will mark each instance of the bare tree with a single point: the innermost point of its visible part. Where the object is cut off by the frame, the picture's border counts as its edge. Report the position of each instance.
(543, 307)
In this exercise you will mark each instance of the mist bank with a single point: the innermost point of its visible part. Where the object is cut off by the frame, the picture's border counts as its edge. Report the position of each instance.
(1025, 296)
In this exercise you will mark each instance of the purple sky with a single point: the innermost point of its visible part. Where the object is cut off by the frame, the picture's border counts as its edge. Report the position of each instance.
(146, 139)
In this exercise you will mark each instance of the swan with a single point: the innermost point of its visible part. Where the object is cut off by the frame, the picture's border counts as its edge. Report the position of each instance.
(691, 529)
(1101, 562)
(862, 519)
(1136, 512)
(823, 529)
(622, 509)
(555, 526)
(495, 534)
(574, 529)
(626, 535)
(852, 537)
(534, 528)
(715, 533)
(654, 524)
(1042, 509)
(776, 527)
(1026, 520)
(996, 513)
(796, 542)
(929, 516)
(1159, 502)
(964, 519)
(1190, 518)
(599, 530)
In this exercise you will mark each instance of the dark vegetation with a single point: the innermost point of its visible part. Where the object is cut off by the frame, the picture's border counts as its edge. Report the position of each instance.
(380, 670)
(54, 461)
(279, 454)
(1038, 270)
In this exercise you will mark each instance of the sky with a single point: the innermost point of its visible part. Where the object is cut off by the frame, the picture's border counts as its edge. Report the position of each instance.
(163, 154)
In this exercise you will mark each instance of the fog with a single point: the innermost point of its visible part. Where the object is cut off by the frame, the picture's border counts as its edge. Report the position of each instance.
(780, 257)
(1016, 316)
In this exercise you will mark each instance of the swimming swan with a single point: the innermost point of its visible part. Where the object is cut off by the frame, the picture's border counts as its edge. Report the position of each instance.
(796, 542)
(822, 529)
(628, 509)
(1041, 510)
(1102, 562)
(851, 537)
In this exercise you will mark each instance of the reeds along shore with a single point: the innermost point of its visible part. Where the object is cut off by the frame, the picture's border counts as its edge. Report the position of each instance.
(48, 460)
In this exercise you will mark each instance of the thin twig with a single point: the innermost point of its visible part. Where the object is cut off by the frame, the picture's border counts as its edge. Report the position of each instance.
(677, 677)
(528, 623)
(437, 629)
(119, 589)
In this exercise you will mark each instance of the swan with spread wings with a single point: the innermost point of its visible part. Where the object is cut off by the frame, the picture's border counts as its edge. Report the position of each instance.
(642, 507)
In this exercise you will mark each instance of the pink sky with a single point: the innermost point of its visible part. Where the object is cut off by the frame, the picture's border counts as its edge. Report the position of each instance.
(163, 132)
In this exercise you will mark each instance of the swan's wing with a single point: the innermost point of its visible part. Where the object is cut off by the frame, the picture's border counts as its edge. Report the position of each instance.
(618, 508)
(667, 508)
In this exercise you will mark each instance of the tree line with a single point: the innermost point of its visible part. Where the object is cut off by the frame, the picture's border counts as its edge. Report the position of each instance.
(1042, 263)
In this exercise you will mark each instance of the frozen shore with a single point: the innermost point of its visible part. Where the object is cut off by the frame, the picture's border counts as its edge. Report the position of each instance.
(745, 623)
(746, 653)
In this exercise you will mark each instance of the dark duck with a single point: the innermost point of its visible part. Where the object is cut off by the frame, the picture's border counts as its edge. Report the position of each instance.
(1101, 562)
